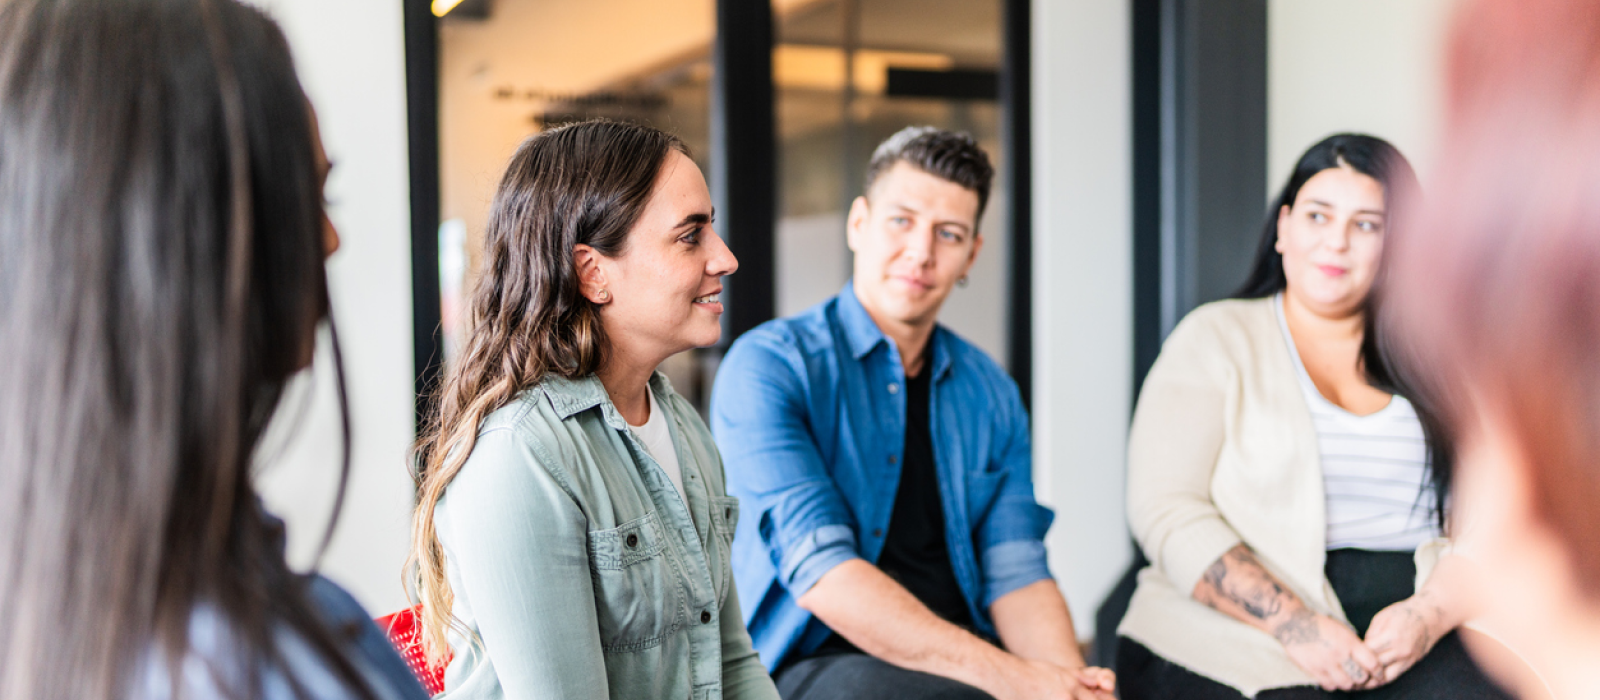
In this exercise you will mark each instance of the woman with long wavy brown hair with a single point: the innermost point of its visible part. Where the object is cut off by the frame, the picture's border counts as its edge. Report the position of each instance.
(572, 532)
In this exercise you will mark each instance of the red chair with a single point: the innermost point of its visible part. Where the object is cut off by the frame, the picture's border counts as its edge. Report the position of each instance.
(405, 633)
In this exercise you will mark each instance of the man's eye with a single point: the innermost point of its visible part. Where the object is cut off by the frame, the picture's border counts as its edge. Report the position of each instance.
(1318, 217)
(692, 237)
(950, 235)
(899, 220)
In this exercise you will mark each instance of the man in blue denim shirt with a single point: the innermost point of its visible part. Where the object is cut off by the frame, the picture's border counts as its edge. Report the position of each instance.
(892, 545)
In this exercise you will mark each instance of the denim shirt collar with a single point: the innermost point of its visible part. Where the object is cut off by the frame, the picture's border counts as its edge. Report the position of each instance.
(863, 334)
(573, 396)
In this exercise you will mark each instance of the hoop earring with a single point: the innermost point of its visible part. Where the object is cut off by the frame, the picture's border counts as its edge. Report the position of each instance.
(604, 295)
(962, 282)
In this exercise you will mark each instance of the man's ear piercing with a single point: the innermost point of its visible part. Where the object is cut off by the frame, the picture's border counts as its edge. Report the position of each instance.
(962, 282)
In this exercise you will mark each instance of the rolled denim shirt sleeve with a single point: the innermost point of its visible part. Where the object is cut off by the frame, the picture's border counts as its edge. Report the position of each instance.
(815, 554)
(761, 425)
(1012, 535)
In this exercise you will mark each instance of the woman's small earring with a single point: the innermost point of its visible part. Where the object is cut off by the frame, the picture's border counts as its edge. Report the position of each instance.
(604, 295)
(962, 282)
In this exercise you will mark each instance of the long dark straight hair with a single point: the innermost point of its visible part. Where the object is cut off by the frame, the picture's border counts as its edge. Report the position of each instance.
(1384, 367)
(161, 279)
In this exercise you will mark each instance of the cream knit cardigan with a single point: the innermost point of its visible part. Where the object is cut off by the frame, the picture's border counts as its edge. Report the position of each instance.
(1223, 451)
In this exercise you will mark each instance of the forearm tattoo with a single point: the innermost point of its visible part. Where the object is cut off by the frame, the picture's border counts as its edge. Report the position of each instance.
(1238, 581)
(1301, 627)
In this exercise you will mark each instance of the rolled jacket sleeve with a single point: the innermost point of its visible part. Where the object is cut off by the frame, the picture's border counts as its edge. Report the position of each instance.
(520, 545)
(759, 418)
(1012, 535)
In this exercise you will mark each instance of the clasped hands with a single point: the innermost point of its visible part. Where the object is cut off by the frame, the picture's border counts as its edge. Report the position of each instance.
(1039, 679)
(1399, 636)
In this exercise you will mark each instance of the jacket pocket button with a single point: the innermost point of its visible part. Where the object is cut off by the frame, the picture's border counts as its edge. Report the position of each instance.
(705, 616)
(633, 540)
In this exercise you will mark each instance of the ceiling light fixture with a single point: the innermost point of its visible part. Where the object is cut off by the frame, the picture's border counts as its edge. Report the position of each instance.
(443, 7)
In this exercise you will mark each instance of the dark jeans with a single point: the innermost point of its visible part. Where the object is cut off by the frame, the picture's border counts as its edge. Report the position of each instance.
(1366, 582)
(848, 676)
(1446, 673)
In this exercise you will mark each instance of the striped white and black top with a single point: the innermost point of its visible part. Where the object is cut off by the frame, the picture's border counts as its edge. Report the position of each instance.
(1374, 469)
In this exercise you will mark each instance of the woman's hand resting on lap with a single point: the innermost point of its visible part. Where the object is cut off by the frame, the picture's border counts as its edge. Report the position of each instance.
(1328, 650)
(1401, 635)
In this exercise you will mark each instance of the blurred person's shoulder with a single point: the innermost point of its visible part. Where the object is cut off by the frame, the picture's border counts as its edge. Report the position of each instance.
(211, 667)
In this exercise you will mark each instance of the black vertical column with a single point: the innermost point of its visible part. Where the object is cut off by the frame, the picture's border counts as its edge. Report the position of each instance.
(1147, 178)
(1200, 157)
(422, 126)
(1230, 149)
(1016, 138)
(744, 159)
(1199, 183)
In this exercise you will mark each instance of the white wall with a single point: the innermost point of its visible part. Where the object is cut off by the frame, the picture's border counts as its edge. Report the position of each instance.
(350, 55)
(1353, 65)
(1082, 289)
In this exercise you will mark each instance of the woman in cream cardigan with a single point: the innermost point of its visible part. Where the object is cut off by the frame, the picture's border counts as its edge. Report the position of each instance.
(1283, 486)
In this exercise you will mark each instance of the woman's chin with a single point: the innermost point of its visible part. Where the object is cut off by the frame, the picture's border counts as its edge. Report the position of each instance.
(1333, 301)
(700, 337)
(709, 339)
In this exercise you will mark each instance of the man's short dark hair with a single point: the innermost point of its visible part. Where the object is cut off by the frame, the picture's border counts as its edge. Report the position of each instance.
(947, 155)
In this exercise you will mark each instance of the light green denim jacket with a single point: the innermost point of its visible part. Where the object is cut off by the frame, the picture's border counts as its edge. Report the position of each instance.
(578, 567)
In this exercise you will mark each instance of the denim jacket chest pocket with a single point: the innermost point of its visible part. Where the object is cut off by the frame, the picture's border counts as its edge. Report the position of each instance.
(724, 520)
(638, 591)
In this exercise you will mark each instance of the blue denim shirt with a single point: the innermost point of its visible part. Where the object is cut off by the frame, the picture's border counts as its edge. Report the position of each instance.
(809, 413)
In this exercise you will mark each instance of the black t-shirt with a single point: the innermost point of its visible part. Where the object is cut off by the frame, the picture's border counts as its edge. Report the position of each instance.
(914, 552)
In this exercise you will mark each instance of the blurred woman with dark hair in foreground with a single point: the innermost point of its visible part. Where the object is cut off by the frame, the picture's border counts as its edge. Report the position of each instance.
(1499, 299)
(162, 239)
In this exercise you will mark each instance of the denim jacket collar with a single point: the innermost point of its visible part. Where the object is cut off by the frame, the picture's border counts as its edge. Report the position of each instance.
(573, 396)
(863, 334)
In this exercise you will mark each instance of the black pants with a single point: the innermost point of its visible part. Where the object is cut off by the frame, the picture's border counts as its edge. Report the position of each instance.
(1366, 582)
(846, 675)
